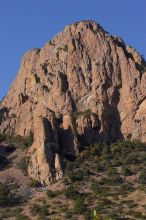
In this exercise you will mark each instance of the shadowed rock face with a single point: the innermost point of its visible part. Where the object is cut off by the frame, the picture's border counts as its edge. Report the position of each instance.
(82, 87)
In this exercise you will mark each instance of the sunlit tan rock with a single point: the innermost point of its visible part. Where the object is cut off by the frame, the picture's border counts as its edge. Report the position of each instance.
(82, 87)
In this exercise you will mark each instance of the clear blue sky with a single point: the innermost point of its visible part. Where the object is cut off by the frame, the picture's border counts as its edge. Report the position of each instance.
(26, 24)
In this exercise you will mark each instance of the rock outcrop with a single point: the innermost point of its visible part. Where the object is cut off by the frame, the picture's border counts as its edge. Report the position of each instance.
(82, 87)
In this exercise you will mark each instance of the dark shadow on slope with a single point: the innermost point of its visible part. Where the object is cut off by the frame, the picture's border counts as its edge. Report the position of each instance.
(112, 119)
(90, 135)
(66, 143)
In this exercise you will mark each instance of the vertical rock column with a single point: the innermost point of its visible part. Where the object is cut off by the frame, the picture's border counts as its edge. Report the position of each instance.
(44, 160)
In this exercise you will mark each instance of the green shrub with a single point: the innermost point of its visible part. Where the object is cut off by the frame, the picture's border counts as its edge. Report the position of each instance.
(53, 194)
(106, 164)
(86, 173)
(142, 177)
(99, 167)
(7, 198)
(106, 202)
(137, 214)
(68, 214)
(125, 188)
(117, 161)
(51, 43)
(21, 217)
(71, 193)
(12, 138)
(79, 206)
(78, 162)
(114, 179)
(5, 195)
(28, 140)
(131, 159)
(125, 171)
(66, 48)
(34, 183)
(87, 215)
(111, 171)
(11, 212)
(23, 164)
(40, 210)
(95, 186)
(2, 137)
(17, 139)
(77, 176)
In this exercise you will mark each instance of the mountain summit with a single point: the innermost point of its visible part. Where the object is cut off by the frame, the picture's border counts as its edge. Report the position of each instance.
(84, 86)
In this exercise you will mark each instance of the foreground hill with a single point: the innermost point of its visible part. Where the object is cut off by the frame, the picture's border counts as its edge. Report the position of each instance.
(83, 87)
(105, 182)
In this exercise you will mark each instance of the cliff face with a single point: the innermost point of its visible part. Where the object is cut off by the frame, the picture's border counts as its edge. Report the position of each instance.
(82, 87)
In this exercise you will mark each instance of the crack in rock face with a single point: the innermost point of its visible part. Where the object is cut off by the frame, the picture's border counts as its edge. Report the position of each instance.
(83, 87)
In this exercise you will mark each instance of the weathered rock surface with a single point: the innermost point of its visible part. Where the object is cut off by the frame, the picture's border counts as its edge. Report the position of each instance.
(82, 87)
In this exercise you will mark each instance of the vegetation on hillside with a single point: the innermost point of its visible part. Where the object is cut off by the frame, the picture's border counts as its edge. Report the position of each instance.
(105, 182)
(17, 139)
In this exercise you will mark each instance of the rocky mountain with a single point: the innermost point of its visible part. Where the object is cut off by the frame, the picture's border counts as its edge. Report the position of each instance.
(83, 87)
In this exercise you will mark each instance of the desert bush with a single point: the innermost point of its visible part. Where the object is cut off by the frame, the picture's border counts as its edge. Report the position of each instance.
(17, 139)
(78, 162)
(115, 179)
(111, 171)
(137, 214)
(5, 195)
(131, 159)
(79, 206)
(99, 167)
(142, 177)
(28, 140)
(86, 173)
(7, 198)
(71, 193)
(68, 214)
(21, 216)
(117, 161)
(125, 188)
(95, 186)
(2, 137)
(106, 164)
(40, 210)
(66, 48)
(85, 154)
(34, 183)
(23, 164)
(88, 215)
(77, 176)
(53, 194)
(125, 171)
(12, 138)
(11, 212)
(94, 151)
